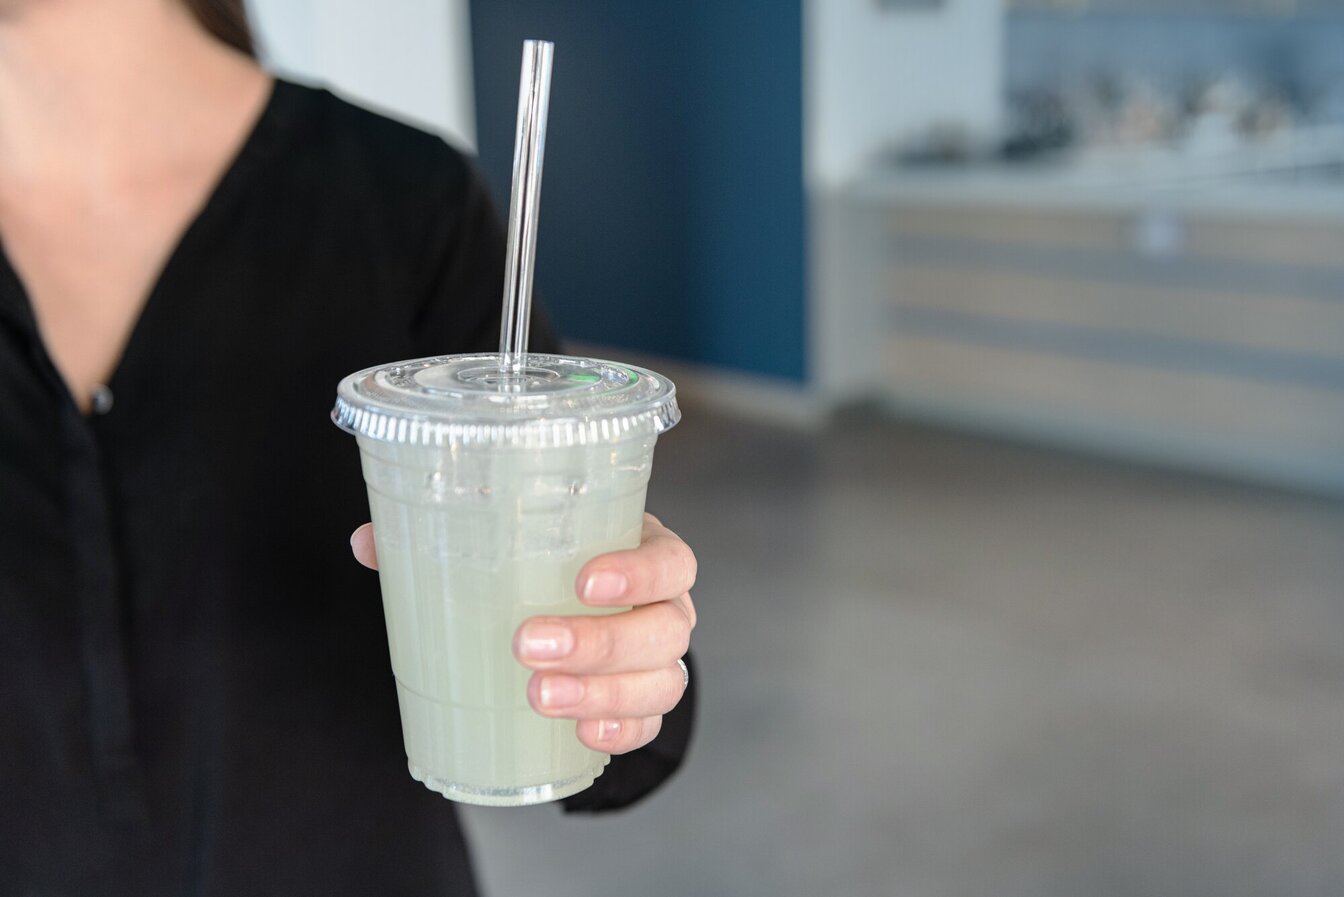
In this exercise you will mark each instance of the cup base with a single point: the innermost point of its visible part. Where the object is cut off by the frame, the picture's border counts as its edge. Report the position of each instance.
(522, 796)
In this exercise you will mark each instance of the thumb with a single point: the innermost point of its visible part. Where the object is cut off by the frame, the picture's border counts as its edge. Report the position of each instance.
(361, 543)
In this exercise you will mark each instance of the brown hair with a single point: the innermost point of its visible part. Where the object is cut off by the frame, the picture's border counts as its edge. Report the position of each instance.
(226, 20)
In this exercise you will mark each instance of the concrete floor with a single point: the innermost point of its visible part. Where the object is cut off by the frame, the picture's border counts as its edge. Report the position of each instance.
(936, 665)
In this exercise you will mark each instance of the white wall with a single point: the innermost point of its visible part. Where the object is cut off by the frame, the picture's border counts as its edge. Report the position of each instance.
(873, 75)
(409, 58)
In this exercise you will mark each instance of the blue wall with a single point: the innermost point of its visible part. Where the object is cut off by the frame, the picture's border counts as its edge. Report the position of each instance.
(672, 205)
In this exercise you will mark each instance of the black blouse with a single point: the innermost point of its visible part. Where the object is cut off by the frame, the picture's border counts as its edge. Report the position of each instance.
(195, 692)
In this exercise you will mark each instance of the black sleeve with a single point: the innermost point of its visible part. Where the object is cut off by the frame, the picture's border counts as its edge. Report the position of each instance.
(631, 776)
(460, 312)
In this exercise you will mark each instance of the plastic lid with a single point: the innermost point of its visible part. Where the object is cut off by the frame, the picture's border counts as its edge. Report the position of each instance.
(557, 400)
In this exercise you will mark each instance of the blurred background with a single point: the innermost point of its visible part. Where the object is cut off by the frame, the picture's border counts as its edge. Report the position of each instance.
(1011, 335)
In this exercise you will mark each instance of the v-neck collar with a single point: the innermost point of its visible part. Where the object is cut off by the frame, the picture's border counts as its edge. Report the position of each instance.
(259, 143)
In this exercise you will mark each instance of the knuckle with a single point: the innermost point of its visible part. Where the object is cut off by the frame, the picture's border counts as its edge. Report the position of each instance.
(667, 632)
(690, 566)
(612, 695)
(682, 635)
(687, 605)
(675, 690)
(665, 573)
(643, 579)
(683, 615)
(603, 639)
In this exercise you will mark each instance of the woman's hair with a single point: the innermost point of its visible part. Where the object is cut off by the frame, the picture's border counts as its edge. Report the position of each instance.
(226, 20)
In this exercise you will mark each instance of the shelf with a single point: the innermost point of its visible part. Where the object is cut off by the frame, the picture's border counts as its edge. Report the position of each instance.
(1182, 7)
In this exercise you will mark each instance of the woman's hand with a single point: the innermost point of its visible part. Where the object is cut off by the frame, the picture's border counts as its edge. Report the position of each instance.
(616, 674)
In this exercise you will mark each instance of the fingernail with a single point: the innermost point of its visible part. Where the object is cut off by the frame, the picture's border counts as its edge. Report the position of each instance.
(605, 585)
(546, 641)
(608, 729)
(561, 691)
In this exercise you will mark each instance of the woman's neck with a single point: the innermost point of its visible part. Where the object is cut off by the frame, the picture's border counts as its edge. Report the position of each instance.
(110, 91)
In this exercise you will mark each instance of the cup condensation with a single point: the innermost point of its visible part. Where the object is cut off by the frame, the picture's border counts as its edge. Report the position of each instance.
(487, 498)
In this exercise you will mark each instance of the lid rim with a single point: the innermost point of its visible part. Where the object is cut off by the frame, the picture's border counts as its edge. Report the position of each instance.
(367, 406)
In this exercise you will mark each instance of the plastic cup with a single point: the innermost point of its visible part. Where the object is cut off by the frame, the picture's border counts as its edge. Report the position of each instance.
(488, 492)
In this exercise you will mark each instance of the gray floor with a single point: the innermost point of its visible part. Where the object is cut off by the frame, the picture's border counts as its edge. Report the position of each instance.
(935, 665)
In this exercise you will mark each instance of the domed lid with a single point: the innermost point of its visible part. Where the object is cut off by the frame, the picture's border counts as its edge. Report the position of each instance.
(556, 400)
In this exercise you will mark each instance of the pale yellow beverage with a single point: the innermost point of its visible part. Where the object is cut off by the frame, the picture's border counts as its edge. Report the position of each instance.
(468, 548)
(484, 526)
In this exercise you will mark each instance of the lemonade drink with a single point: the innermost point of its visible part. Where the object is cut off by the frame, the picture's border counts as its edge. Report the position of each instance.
(486, 502)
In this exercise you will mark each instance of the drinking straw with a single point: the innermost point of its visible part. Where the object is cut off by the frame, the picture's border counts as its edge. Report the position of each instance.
(534, 96)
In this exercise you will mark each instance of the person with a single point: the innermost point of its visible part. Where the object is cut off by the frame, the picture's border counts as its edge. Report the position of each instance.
(195, 694)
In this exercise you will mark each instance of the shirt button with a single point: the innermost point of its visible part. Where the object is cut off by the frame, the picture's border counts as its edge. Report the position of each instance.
(102, 399)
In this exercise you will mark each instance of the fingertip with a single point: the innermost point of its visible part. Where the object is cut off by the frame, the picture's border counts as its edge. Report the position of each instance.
(606, 735)
(586, 731)
(534, 691)
(517, 643)
(618, 736)
(363, 547)
(602, 586)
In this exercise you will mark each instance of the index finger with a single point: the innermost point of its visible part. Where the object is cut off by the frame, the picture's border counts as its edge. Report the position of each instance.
(662, 568)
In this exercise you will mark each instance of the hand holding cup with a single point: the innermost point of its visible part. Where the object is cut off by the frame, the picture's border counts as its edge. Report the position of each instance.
(615, 674)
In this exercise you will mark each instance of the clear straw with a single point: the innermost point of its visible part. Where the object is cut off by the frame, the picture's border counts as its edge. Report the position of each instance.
(529, 145)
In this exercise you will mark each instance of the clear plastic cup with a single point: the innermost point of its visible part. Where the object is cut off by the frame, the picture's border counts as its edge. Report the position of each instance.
(488, 492)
